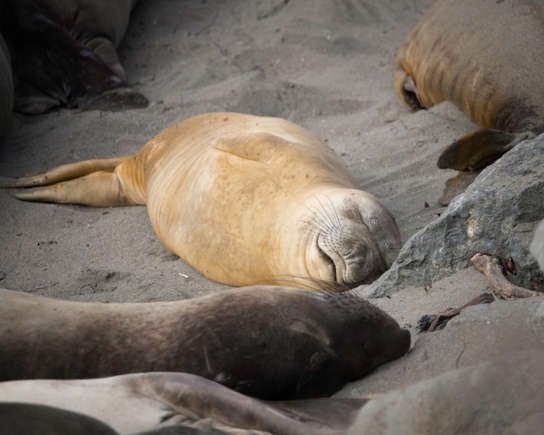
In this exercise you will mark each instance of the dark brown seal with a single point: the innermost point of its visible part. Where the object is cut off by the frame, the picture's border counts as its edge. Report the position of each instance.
(268, 342)
(64, 54)
(153, 402)
(487, 58)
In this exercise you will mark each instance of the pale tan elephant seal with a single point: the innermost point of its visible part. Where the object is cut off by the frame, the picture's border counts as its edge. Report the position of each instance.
(64, 54)
(487, 58)
(243, 199)
(268, 342)
(134, 403)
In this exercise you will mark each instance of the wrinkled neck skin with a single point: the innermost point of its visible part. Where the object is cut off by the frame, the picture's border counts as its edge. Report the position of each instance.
(345, 238)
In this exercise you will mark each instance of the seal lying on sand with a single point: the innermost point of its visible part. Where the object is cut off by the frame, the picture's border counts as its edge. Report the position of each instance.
(150, 401)
(243, 199)
(268, 342)
(64, 54)
(487, 58)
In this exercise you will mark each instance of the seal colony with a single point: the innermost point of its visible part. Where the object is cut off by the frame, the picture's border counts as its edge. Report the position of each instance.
(64, 54)
(151, 401)
(243, 199)
(485, 57)
(267, 342)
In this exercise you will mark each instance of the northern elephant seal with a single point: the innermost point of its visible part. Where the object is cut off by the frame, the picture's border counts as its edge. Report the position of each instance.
(243, 199)
(487, 58)
(139, 402)
(268, 342)
(64, 53)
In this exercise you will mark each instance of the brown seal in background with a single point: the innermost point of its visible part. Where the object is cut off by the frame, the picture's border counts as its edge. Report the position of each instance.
(487, 58)
(64, 54)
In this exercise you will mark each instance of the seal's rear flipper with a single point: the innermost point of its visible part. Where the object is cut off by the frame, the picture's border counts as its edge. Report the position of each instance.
(98, 189)
(479, 149)
(65, 172)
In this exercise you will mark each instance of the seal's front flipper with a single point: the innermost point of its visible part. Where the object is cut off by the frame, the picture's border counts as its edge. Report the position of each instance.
(479, 149)
(99, 189)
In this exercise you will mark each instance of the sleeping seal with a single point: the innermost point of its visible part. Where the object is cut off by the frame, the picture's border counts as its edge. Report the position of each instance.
(268, 342)
(244, 199)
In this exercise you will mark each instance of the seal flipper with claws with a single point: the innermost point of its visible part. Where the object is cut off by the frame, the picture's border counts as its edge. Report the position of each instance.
(486, 57)
(243, 199)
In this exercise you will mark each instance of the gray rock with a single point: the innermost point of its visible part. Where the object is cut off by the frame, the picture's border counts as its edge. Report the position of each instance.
(497, 213)
(504, 396)
(537, 245)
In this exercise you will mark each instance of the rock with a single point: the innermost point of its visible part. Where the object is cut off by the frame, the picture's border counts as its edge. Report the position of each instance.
(537, 245)
(497, 214)
(498, 397)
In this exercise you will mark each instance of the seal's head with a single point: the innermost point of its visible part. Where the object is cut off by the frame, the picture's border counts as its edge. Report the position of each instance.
(350, 237)
(374, 337)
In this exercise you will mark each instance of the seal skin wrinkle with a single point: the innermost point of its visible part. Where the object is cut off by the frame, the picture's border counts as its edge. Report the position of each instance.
(487, 58)
(244, 199)
(233, 337)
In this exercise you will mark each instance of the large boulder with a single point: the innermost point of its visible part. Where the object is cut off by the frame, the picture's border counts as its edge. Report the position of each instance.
(497, 213)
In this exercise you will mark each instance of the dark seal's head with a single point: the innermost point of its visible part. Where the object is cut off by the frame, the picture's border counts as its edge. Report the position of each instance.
(281, 343)
(361, 337)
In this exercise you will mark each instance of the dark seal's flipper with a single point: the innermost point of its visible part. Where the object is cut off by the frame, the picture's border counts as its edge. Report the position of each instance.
(479, 149)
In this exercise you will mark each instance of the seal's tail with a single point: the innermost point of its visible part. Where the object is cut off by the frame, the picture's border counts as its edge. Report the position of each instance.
(90, 182)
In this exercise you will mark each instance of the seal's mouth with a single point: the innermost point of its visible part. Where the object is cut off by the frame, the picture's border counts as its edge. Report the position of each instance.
(328, 259)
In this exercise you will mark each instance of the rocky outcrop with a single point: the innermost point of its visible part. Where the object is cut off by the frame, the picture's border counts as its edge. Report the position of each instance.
(497, 214)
